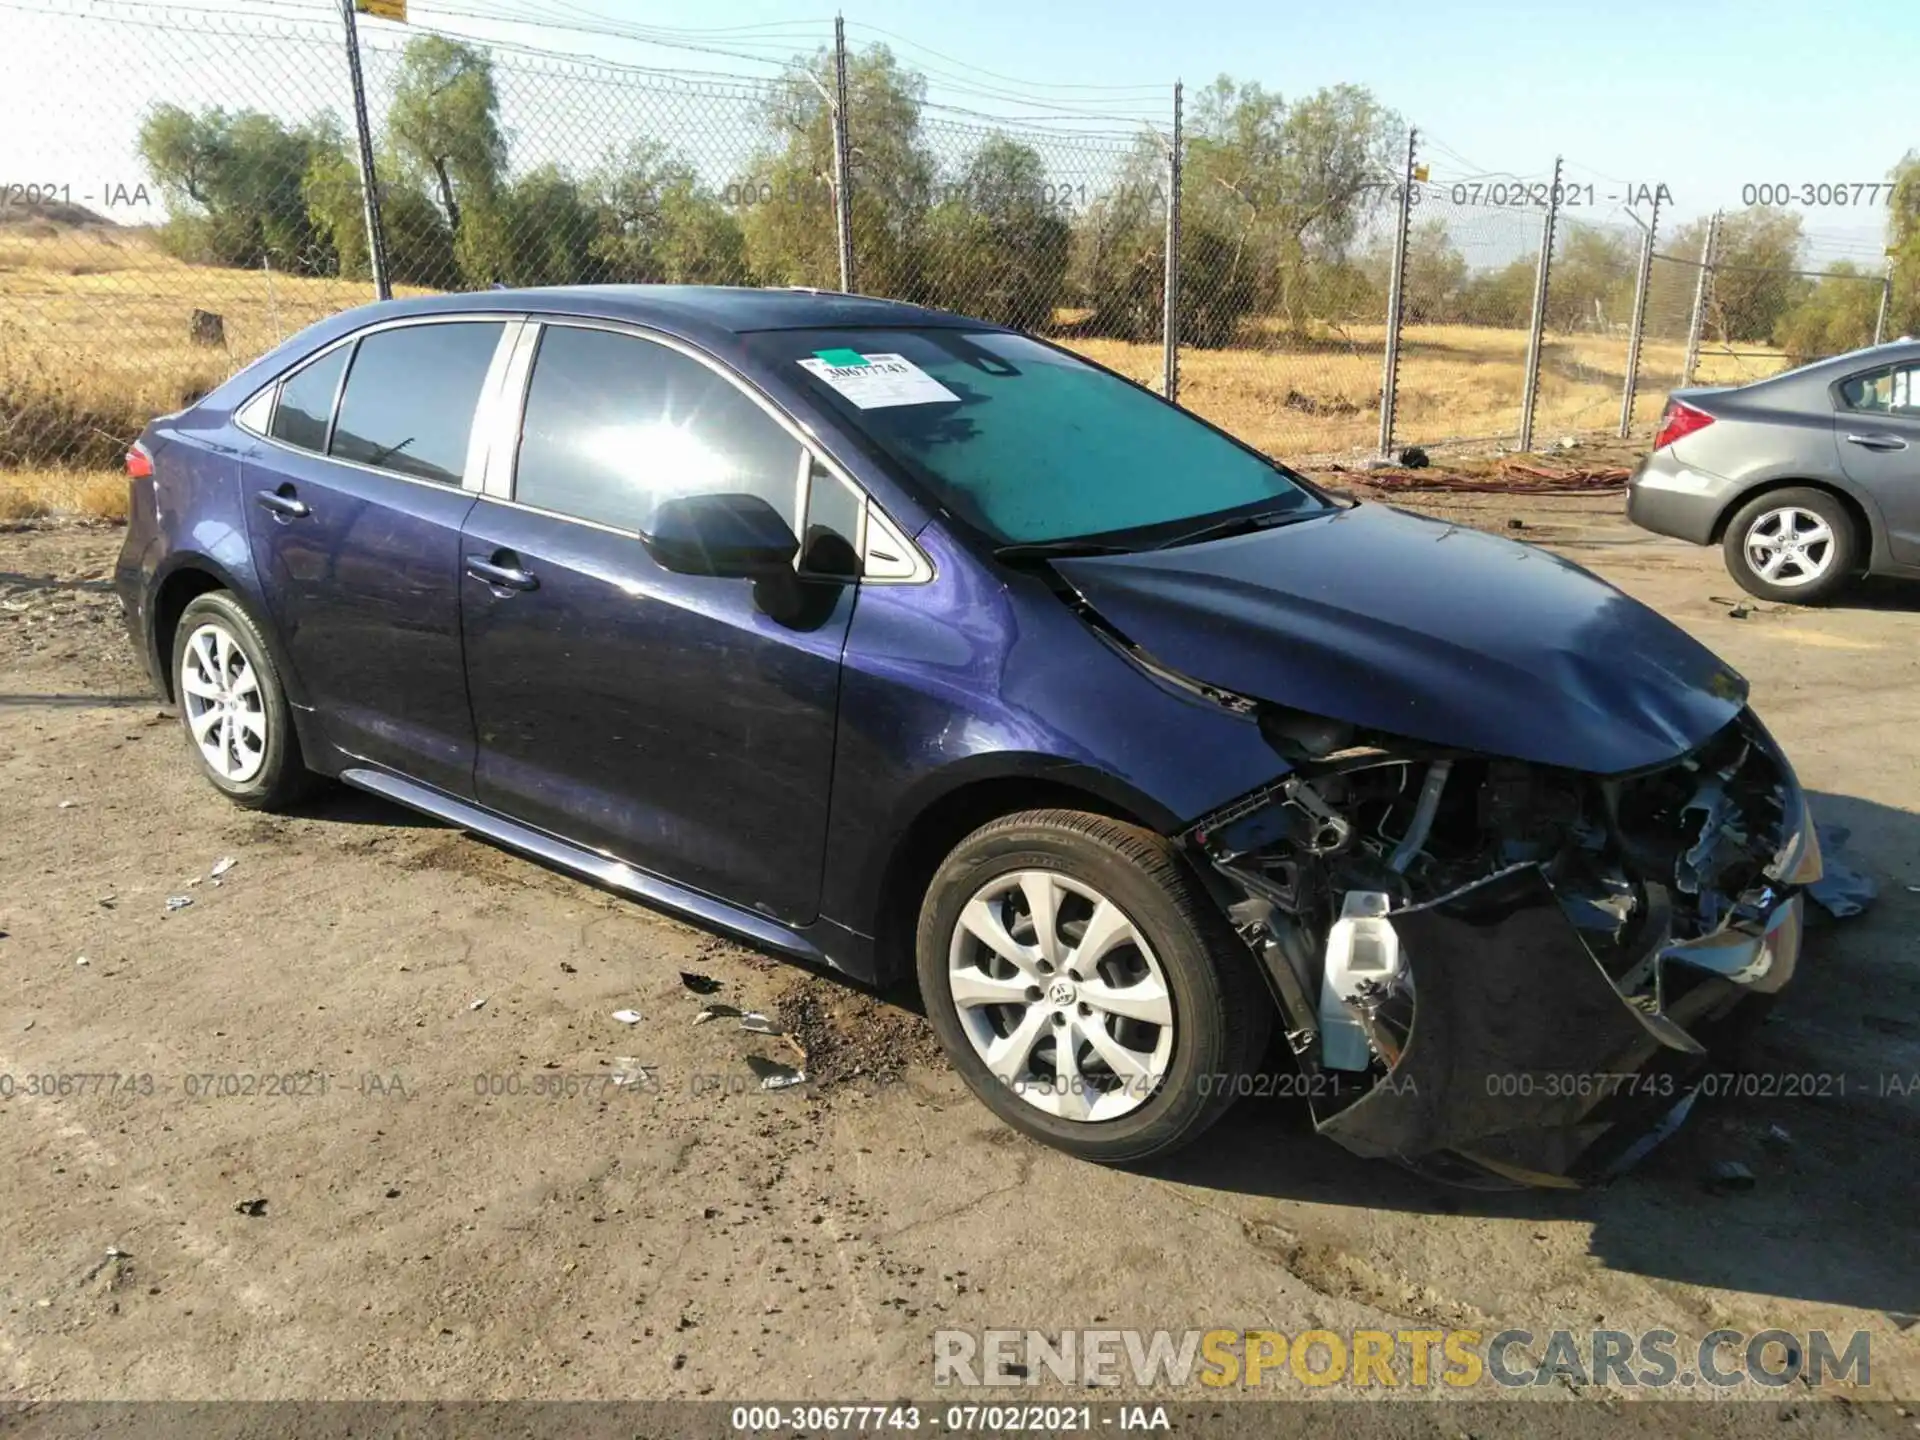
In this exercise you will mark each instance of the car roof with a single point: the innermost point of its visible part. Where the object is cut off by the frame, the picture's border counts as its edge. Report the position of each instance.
(736, 309)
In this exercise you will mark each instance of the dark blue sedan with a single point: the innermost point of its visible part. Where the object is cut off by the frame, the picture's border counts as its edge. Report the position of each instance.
(907, 644)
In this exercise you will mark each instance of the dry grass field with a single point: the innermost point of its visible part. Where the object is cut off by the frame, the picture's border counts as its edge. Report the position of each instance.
(95, 339)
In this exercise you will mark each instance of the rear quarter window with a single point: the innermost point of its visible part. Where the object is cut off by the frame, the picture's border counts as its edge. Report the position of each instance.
(305, 407)
(1894, 391)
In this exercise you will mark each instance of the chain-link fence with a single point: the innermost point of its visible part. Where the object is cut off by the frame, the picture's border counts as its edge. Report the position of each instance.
(206, 202)
(127, 294)
(1588, 332)
(1473, 257)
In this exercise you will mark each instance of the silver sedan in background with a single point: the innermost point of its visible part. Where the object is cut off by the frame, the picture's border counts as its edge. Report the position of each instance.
(1806, 480)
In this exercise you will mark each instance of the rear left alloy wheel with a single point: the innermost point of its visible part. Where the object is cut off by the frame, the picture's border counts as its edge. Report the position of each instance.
(1794, 545)
(233, 707)
(1085, 985)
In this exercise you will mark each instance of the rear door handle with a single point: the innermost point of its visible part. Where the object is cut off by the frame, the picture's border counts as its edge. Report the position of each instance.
(280, 504)
(502, 577)
(1877, 442)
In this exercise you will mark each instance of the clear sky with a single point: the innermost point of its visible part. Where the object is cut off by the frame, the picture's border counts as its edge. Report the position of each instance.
(1707, 97)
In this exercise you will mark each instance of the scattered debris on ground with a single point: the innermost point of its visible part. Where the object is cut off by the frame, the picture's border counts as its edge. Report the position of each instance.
(773, 1075)
(851, 1035)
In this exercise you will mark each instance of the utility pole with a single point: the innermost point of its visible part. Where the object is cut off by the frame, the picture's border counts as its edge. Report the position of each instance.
(1396, 302)
(1639, 319)
(1170, 280)
(369, 183)
(842, 200)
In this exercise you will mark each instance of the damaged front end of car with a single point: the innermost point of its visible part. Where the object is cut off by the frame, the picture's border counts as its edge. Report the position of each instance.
(1495, 969)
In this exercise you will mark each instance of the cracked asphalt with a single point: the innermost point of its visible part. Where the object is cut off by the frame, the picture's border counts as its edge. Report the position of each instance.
(380, 1153)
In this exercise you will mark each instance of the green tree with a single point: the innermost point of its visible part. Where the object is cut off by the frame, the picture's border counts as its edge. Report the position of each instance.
(995, 247)
(1754, 263)
(547, 229)
(444, 128)
(1501, 298)
(1284, 188)
(1116, 265)
(1591, 282)
(236, 187)
(1436, 274)
(1903, 247)
(1835, 315)
(788, 202)
(658, 222)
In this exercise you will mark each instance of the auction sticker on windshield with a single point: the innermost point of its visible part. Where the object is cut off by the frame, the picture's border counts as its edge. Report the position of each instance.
(875, 382)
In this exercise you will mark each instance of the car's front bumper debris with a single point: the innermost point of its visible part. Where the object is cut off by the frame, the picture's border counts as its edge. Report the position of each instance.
(1571, 942)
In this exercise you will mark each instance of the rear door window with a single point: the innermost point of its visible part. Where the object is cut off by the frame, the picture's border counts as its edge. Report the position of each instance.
(305, 407)
(1895, 391)
(410, 398)
(615, 424)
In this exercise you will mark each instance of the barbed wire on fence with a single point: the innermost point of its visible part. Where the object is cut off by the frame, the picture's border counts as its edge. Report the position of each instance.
(209, 203)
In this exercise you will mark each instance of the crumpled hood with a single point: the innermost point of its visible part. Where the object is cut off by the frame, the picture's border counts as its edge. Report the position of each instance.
(1426, 630)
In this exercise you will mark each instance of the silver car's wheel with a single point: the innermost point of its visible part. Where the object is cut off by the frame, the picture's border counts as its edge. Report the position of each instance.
(225, 710)
(1061, 995)
(1789, 547)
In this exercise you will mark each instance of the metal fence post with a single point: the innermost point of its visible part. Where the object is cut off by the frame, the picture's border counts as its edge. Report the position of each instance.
(1170, 283)
(842, 199)
(1639, 320)
(369, 184)
(1396, 302)
(1886, 299)
(1700, 298)
(1536, 340)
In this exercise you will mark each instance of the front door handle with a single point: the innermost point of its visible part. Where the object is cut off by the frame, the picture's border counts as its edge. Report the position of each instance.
(1877, 442)
(501, 577)
(283, 504)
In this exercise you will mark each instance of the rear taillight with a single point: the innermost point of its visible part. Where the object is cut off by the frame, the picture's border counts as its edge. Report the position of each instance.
(139, 464)
(1678, 421)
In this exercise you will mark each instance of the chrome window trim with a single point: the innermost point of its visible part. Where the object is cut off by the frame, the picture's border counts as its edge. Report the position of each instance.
(468, 482)
(811, 452)
(482, 439)
(621, 530)
(503, 451)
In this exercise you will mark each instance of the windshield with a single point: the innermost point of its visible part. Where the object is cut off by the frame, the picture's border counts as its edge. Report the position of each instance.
(1027, 444)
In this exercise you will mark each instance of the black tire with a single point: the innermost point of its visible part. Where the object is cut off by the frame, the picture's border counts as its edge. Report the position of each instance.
(281, 778)
(1221, 1011)
(1840, 556)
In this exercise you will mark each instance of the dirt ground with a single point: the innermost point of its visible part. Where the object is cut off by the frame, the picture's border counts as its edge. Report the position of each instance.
(446, 1196)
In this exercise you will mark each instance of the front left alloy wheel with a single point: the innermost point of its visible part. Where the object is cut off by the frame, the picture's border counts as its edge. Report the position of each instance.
(1086, 986)
(233, 707)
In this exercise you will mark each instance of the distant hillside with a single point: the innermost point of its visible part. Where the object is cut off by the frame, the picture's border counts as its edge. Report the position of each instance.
(58, 213)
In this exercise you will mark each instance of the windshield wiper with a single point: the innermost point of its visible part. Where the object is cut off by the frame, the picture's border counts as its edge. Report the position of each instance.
(1239, 525)
(1060, 549)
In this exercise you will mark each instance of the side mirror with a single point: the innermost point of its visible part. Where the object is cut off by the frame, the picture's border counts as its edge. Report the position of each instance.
(732, 536)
